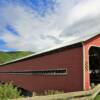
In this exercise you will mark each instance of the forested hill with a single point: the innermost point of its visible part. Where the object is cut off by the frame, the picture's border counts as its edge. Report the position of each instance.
(8, 56)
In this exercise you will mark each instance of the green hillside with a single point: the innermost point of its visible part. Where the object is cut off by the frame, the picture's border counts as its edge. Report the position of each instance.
(8, 56)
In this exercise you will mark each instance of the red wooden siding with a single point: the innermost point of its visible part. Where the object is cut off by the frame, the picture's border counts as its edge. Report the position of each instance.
(70, 58)
(91, 42)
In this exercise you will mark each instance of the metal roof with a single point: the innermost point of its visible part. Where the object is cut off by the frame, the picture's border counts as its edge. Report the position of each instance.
(65, 44)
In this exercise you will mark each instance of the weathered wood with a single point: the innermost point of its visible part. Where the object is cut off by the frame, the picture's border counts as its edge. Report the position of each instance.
(81, 95)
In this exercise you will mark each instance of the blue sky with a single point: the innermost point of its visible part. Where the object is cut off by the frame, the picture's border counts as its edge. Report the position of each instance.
(40, 24)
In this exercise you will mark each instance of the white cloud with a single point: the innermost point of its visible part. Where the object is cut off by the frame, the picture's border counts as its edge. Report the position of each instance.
(30, 30)
(71, 19)
(84, 18)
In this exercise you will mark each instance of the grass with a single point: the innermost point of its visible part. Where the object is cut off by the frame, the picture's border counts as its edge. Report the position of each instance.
(8, 56)
(97, 97)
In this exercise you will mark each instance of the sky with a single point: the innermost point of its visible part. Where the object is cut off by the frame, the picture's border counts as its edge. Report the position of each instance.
(35, 25)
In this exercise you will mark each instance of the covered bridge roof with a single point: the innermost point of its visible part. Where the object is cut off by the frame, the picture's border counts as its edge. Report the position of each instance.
(65, 44)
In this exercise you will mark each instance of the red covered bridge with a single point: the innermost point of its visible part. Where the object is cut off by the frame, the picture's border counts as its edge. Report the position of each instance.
(69, 67)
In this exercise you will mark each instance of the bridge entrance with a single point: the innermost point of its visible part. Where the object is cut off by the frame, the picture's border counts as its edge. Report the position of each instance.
(94, 63)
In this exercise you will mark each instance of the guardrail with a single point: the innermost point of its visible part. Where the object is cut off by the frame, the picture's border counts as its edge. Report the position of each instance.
(80, 95)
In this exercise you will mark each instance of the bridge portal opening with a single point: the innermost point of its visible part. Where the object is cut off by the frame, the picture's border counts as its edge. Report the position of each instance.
(94, 63)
